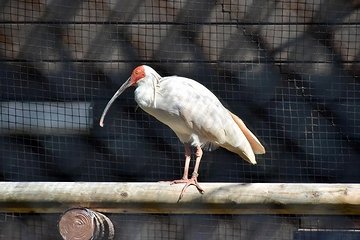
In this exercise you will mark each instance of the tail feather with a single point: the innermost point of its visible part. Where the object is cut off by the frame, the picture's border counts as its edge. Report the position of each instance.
(254, 142)
(247, 155)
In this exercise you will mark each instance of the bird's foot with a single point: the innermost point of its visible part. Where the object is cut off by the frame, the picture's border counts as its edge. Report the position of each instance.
(191, 181)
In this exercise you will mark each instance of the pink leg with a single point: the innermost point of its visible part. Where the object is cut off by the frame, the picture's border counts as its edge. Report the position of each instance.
(199, 153)
(187, 160)
(193, 179)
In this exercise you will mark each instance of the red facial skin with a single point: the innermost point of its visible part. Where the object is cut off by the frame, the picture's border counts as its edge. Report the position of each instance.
(137, 74)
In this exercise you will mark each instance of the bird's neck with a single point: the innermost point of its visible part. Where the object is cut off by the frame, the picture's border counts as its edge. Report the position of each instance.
(145, 93)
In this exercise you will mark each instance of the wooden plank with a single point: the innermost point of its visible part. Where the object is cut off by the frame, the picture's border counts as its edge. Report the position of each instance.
(49, 118)
(219, 198)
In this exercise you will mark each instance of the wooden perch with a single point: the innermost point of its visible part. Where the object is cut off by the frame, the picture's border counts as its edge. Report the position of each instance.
(219, 198)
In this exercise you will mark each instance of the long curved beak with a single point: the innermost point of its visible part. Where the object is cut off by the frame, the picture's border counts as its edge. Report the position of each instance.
(116, 95)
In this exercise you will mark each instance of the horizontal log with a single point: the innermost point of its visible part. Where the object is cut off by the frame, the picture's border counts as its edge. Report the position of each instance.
(219, 198)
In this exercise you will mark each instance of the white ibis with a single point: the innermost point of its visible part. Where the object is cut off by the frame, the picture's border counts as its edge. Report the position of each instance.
(194, 113)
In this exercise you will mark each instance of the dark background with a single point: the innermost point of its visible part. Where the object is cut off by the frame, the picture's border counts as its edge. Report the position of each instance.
(289, 69)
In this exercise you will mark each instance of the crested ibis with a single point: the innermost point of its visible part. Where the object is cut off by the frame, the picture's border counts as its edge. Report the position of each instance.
(194, 113)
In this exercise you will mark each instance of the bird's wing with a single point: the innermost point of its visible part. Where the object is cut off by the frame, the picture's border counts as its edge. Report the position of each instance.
(254, 142)
(203, 114)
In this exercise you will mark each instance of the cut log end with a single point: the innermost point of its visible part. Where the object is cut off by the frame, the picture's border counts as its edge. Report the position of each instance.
(82, 223)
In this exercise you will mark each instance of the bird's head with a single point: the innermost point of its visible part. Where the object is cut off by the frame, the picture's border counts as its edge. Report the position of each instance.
(139, 73)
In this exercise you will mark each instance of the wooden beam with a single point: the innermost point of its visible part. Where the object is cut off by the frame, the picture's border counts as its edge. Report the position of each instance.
(219, 198)
(49, 118)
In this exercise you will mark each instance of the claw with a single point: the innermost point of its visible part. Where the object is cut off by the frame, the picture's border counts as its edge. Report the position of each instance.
(189, 182)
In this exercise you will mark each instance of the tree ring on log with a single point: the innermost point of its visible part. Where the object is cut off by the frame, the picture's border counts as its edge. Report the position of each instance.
(85, 224)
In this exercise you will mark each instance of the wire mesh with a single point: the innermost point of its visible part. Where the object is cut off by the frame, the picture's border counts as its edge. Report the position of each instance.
(289, 69)
(173, 226)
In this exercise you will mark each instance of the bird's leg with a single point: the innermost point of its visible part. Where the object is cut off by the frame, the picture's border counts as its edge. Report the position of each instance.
(193, 179)
(186, 167)
(187, 160)
(195, 174)
(199, 153)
